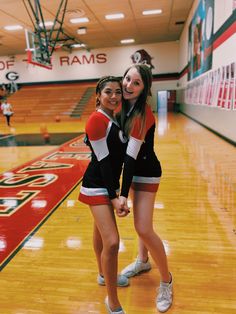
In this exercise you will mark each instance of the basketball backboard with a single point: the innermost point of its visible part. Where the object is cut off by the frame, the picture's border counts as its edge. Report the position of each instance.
(38, 50)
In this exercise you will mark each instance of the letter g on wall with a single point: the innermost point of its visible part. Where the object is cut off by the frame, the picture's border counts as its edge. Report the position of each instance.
(12, 76)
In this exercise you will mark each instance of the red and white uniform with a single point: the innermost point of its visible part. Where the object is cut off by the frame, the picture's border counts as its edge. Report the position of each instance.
(101, 178)
(142, 169)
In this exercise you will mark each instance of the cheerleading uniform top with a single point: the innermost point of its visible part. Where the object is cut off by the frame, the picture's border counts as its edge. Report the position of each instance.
(101, 178)
(141, 165)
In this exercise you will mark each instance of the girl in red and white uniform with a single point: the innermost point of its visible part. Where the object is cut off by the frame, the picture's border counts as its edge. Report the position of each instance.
(142, 170)
(100, 186)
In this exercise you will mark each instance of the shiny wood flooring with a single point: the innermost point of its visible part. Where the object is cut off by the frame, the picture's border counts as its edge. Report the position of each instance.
(195, 214)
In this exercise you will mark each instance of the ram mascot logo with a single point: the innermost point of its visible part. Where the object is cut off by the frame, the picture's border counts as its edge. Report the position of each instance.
(141, 56)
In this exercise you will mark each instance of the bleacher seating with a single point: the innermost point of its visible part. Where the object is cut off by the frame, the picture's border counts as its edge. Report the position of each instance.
(51, 102)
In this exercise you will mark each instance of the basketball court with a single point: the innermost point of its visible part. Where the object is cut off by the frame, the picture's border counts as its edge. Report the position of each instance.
(47, 260)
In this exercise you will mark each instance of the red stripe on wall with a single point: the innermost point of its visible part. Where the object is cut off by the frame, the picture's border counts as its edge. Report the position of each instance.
(226, 35)
(219, 41)
(185, 71)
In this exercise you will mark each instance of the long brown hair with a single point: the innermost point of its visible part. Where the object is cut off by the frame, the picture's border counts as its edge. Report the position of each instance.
(139, 109)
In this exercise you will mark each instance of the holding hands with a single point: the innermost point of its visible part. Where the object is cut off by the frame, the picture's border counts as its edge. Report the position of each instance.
(121, 207)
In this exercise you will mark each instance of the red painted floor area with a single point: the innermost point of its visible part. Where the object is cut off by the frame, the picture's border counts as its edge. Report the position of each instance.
(30, 193)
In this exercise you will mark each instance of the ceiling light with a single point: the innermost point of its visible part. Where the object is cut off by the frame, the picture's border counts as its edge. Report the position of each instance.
(48, 23)
(114, 16)
(13, 27)
(82, 30)
(79, 20)
(78, 45)
(127, 41)
(150, 12)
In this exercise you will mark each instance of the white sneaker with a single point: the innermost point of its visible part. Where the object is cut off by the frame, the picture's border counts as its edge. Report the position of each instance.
(122, 281)
(165, 296)
(110, 311)
(136, 268)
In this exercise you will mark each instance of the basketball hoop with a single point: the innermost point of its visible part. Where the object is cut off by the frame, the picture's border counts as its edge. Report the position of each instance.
(41, 43)
(40, 63)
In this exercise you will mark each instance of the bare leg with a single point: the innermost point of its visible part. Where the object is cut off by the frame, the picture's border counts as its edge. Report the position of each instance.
(143, 204)
(142, 251)
(105, 221)
(97, 245)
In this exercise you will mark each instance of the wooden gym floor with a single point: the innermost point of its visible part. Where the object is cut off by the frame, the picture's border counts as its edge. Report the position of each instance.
(194, 215)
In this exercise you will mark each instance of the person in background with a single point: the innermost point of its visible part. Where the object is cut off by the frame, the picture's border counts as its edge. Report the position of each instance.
(100, 186)
(7, 111)
(3, 90)
(13, 87)
(142, 170)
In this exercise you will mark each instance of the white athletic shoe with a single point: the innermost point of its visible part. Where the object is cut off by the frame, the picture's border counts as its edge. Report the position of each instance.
(122, 281)
(136, 268)
(110, 311)
(165, 296)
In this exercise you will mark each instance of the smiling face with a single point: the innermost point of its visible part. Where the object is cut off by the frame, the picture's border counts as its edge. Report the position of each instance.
(110, 97)
(132, 85)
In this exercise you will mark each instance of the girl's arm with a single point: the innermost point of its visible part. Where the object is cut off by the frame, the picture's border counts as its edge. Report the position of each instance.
(132, 151)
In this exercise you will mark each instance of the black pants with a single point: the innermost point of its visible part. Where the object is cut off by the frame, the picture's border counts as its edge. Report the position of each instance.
(8, 117)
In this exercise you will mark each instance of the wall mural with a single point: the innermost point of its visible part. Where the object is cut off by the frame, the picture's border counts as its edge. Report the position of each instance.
(200, 39)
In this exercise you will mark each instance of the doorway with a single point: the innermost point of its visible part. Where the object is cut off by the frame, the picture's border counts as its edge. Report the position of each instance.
(166, 100)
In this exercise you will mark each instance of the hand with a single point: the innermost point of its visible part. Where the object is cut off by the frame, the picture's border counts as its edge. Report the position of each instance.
(121, 210)
(124, 201)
